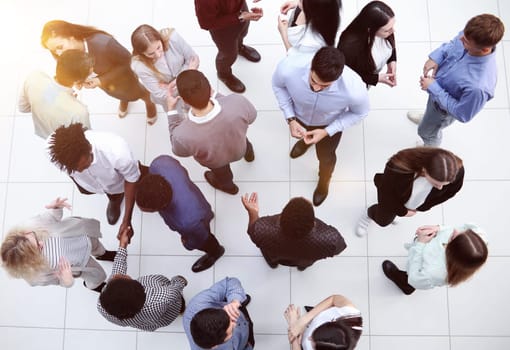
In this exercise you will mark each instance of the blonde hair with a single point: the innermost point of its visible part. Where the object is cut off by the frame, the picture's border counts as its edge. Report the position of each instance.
(20, 258)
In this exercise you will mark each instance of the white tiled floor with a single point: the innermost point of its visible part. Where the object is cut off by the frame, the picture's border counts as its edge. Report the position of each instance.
(474, 315)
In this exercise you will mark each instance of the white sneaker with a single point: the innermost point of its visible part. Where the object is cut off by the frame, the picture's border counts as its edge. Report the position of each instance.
(362, 228)
(415, 116)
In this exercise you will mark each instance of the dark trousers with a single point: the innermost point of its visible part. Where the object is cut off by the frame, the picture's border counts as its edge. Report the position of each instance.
(228, 40)
(381, 216)
(325, 150)
(224, 175)
(211, 245)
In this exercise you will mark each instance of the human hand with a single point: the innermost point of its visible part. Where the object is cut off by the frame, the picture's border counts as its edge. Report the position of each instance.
(430, 68)
(425, 82)
(171, 99)
(410, 213)
(387, 78)
(194, 62)
(92, 83)
(58, 203)
(427, 230)
(232, 309)
(64, 272)
(391, 68)
(296, 130)
(254, 15)
(251, 202)
(314, 136)
(425, 236)
(292, 315)
(287, 5)
(125, 233)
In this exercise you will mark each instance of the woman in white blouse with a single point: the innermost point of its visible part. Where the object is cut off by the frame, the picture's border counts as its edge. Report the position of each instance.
(158, 57)
(440, 255)
(368, 44)
(334, 323)
(308, 25)
(49, 250)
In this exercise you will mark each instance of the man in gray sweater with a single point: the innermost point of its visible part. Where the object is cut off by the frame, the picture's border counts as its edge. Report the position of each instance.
(214, 131)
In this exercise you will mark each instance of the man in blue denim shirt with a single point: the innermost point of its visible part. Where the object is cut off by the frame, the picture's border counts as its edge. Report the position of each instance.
(217, 318)
(460, 77)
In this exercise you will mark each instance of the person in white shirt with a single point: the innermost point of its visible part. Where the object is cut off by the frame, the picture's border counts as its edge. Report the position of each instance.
(98, 162)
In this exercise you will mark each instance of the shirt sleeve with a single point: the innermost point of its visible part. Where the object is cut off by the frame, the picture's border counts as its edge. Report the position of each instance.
(281, 93)
(125, 163)
(228, 289)
(178, 149)
(187, 51)
(355, 113)
(148, 78)
(120, 263)
(417, 277)
(24, 105)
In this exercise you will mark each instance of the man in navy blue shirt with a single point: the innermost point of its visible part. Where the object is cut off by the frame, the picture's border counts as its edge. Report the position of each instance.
(168, 190)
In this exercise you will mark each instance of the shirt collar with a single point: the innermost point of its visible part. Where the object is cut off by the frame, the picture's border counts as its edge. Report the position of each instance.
(209, 116)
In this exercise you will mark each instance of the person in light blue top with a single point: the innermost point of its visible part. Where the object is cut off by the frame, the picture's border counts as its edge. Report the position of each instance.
(217, 318)
(438, 256)
(320, 97)
(460, 77)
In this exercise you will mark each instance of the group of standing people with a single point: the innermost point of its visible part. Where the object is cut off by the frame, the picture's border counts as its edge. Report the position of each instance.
(322, 91)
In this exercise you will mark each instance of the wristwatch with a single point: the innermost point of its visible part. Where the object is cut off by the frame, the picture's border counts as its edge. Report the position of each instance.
(290, 119)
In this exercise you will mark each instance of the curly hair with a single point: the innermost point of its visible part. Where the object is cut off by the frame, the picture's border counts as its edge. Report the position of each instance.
(67, 145)
(20, 258)
(297, 218)
(123, 297)
(153, 192)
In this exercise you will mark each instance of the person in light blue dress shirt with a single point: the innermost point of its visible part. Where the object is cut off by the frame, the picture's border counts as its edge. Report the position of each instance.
(460, 77)
(320, 97)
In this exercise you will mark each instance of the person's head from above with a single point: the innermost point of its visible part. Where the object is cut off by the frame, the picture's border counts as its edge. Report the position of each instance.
(21, 252)
(58, 36)
(375, 19)
(194, 88)
(323, 16)
(153, 193)
(148, 43)
(466, 252)
(334, 335)
(327, 66)
(439, 166)
(69, 149)
(297, 218)
(482, 33)
(122, 297)
(73, 67)
(211, 327)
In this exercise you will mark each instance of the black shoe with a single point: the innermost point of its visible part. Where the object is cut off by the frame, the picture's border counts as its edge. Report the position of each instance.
(108, 255)
(302, 268)
(397, 276)
(308, 308)
(113, 210)
(246, 301)
(232, 83)
(209, 176)
(206, 261)
(249, 53)
(249, 155)
(320, 194)
(299, 149)
(98, 289)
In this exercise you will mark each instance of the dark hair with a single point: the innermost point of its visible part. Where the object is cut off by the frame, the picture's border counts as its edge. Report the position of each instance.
(67, 145)
(484, 30)
(141, 38)
(328, 63)
(323, 16)
(357, 39)
(122, 298)
(297, 218)
(209, 327)
(73, 66)
(194, 88)
(67, 30)
(334, 335)
(153, 192)
(440, 164)
(465, 254)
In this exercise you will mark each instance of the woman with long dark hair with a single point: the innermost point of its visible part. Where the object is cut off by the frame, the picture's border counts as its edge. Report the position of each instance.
(368, 44)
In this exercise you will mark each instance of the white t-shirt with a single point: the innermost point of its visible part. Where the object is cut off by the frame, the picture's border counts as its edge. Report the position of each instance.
(420, 191)
(302, 37)
(331, 314)
(381, 52)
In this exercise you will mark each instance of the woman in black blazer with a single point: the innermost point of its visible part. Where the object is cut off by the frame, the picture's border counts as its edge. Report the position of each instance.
(414, 179)
(111, 72)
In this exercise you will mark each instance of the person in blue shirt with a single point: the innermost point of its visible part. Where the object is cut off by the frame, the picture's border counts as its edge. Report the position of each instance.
(168, 190)
(217, 318)
(320, 97)
(460, 77)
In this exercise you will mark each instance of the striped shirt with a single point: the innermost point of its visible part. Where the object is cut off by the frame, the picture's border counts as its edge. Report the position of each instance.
(163, 298)
(75, 249)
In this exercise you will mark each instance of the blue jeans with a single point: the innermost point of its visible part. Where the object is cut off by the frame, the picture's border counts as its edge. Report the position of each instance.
(434, 120)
